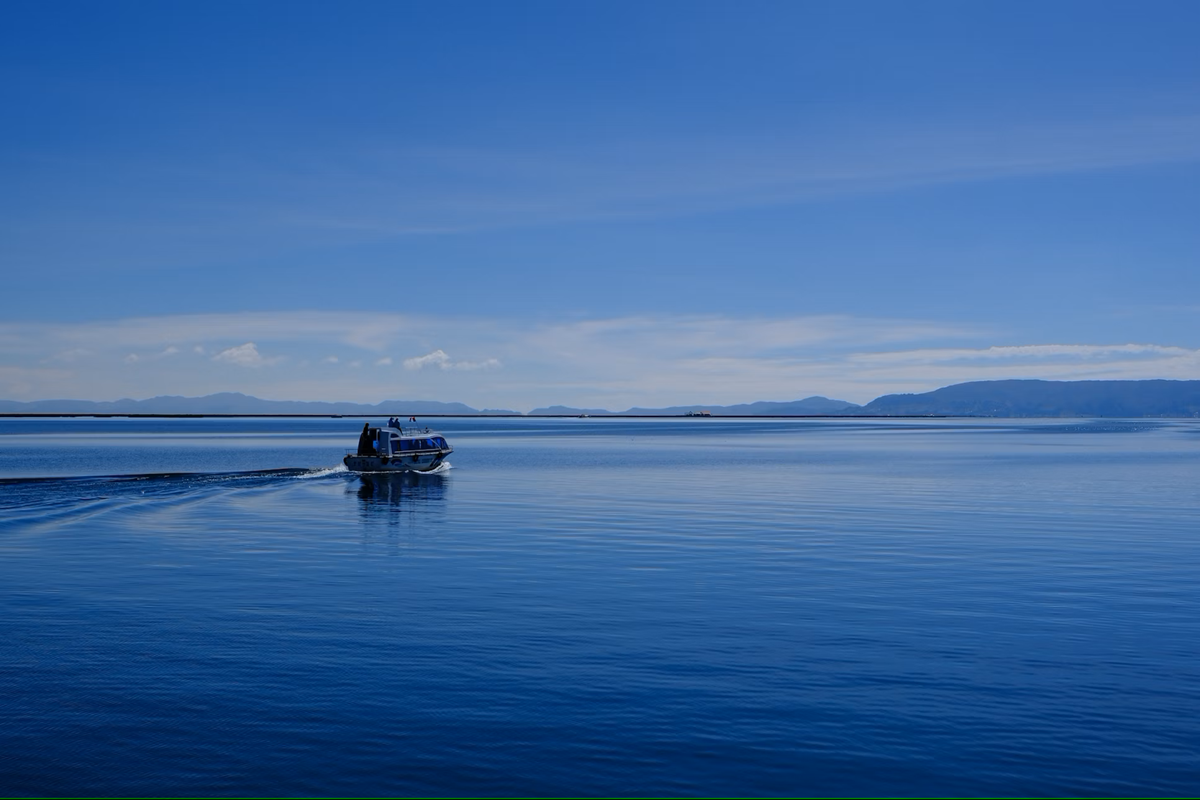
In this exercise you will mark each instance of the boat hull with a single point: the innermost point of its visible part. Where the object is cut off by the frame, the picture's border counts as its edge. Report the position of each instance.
(415, 462)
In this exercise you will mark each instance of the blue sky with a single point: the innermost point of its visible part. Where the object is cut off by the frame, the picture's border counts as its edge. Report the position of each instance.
(595, 203)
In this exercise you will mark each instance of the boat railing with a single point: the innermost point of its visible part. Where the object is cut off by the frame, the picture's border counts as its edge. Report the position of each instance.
(414, 431)
(406, 431)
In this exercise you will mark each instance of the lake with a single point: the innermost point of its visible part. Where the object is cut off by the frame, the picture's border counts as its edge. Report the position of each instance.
(602, 606)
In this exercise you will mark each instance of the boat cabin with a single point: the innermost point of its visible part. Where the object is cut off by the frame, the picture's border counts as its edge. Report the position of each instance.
(397, 441)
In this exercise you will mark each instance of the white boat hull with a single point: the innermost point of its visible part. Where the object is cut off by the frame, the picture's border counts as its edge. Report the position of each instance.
(402, 462)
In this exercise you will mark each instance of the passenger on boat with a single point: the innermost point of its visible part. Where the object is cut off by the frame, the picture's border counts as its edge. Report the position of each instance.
(365, 448)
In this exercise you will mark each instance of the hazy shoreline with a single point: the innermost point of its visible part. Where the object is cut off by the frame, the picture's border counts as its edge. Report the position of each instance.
(46, 415)
(102, 415)
(1156, 398)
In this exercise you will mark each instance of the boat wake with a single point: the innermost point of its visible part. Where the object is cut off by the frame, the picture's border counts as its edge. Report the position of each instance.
(175, 477)
(49, 493)
(340, 469)
(57, 500)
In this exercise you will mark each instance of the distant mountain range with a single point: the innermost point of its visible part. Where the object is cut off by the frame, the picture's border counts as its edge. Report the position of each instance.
(236, 403)
(1012, 398)
(1046, 399)
(807, 406)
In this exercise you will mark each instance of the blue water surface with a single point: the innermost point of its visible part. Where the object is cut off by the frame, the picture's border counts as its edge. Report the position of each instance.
(602, 606)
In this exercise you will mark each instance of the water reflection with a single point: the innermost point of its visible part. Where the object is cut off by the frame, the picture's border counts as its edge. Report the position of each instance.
(400, 489)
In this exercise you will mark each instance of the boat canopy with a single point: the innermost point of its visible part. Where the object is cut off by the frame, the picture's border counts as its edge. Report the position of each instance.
(408, 440)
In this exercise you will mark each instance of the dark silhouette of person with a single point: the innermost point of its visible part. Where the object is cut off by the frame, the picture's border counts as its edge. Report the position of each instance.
(365, 448)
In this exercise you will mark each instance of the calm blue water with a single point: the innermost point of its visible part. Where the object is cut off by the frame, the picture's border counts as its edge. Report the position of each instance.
(602, 607)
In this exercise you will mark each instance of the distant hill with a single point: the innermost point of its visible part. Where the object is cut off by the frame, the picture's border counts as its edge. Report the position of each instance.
(1030, 398)
(567, 411)
(1013, 398)
(809, 405)
(236, 403)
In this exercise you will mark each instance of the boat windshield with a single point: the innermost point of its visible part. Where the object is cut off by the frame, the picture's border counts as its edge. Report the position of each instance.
(406, 445)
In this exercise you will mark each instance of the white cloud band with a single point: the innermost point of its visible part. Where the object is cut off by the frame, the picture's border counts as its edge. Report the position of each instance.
(613, 362)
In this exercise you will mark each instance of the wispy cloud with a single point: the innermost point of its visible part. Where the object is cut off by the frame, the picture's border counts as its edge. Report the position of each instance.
(439, 359)
(489, 363)
(37, 383)
(615, 362)
(941, 366)
(1030, 354)
(362, 330)
(134, 358)
(365, 190)
(244, 355)
(373, 191)
(72, 355)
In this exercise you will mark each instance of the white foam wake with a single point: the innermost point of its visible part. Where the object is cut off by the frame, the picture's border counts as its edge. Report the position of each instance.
(323, 473)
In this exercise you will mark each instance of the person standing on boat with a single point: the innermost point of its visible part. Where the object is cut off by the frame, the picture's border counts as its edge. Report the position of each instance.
(365, 447)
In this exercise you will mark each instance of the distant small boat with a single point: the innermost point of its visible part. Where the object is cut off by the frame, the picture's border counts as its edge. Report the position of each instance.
(399, 450)
(698, 414)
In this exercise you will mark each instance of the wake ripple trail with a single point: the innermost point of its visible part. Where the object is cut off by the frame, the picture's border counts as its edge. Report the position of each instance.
(59, 496)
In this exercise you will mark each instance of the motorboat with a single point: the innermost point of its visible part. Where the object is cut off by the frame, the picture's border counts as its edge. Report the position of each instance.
(390, 448)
